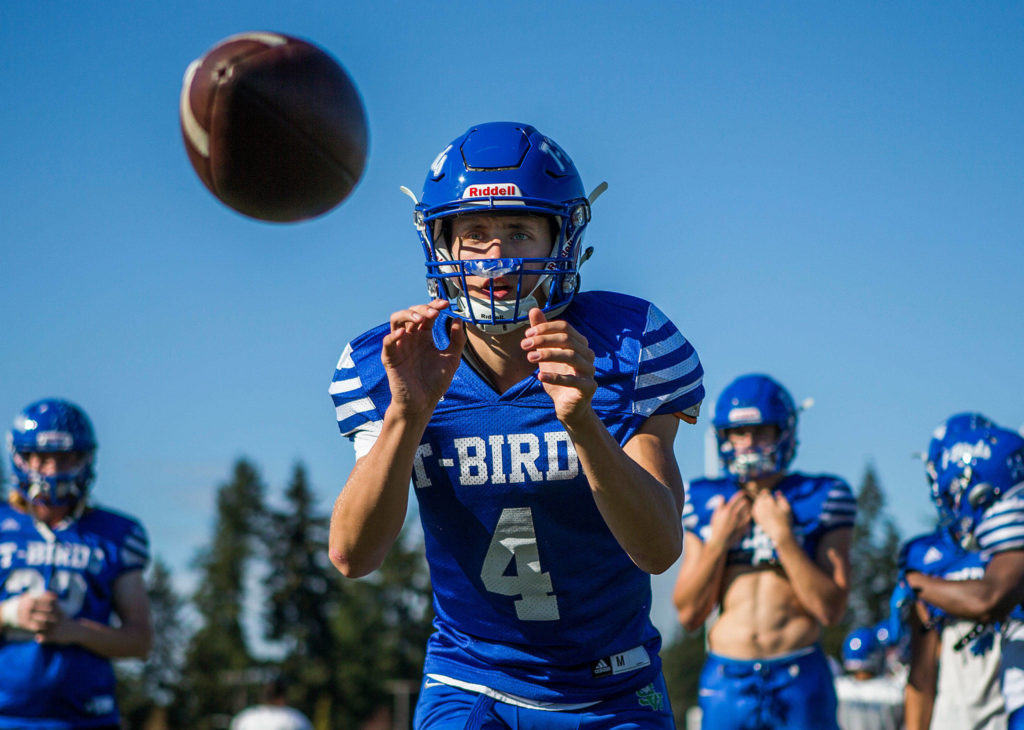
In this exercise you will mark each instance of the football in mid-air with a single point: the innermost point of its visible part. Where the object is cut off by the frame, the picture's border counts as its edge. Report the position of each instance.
(273, 126)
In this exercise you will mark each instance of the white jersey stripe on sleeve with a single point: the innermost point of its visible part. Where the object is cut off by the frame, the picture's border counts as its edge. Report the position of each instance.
(1002, 518)
(345, 361)
(650, 405)
(344, 386)
(1002, 526)
(1007, 538)
(351, 408)
(135, 544)
(668, 375)
(655, 318)
(664, 347)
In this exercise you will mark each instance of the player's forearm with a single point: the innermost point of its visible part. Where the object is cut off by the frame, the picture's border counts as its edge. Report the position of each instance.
(370, 510)
(129, 640)
(922, 680)
(696, 592)
(917, 708)
(820, 596)
(971, 599)
(641, 512)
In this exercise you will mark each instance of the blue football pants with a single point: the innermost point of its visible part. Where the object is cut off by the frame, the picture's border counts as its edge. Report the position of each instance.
(442, 707)
(794, 692)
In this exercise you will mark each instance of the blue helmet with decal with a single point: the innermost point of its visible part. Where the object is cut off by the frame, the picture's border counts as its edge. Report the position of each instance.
(52, 426)
(975, 467)
(862, 651)
(755, 400)
(954, 424)
(503, 167)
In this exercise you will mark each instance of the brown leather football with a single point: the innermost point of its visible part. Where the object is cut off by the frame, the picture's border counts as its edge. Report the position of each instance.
(273, 126)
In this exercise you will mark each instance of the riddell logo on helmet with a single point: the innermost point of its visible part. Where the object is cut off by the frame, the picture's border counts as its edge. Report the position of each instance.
(496, 190)
(744, 415)
(54, 439)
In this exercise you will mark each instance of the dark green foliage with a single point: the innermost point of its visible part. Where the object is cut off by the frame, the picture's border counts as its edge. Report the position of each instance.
(682, 660)
(150, 684)
(341, 645)
(218, 651)
(381, 626)
(302, 592)
(873, 555)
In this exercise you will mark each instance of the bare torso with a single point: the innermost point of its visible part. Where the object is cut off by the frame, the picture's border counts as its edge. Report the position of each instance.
(759, 615)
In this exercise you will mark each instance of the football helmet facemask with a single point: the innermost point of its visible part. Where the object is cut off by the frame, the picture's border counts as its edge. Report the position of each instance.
(47, 427)
(754, 400)
(509, 168)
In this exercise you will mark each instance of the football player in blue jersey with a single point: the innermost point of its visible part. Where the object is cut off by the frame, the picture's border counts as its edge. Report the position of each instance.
(770, 550)
(536, 424)
(869, 699)
(65, 569)
(979, 492)
(953, 681)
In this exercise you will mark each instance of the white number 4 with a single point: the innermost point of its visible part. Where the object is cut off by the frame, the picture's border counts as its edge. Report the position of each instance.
(514, 537)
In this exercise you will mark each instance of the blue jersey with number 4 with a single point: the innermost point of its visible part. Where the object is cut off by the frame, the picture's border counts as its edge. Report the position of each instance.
(44, 686)
(533, 595)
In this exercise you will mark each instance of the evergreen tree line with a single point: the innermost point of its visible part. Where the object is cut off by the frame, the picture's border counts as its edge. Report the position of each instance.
(348, 650)
(873, 560)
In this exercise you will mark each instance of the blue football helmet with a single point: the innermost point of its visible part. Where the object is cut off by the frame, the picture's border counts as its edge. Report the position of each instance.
(862, 652)
(52, 426)
(510, 168)
(954, 424)
(753, 400)
(975, 467)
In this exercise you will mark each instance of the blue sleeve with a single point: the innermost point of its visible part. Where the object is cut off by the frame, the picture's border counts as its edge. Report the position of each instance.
(134, 548)
(354, 407)
(839, 508)
(932, 554)
(669, 377)
(1002, 526)
(690, 518)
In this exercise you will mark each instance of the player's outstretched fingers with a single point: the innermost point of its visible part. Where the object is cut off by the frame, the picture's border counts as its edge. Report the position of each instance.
(569, 380)
(457, 338)
(580, 362)
(415, 315)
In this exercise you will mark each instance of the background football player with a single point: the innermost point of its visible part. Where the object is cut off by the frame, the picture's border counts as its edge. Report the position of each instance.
(536, 423)
(979, 492)
(66, 568)
(770, 550)
(869, 699)
(953, 680)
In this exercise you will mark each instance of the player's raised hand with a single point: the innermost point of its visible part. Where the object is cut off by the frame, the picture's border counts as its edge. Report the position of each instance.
(58, 627)
(418, 372)
(774, 514)
(38, 612)
(731, 520)
(565, 363)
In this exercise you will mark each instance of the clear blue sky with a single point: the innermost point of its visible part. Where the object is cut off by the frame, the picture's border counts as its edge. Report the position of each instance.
(830, 194)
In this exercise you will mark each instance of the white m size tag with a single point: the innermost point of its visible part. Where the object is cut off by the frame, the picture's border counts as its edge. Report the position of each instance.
(626, 661)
